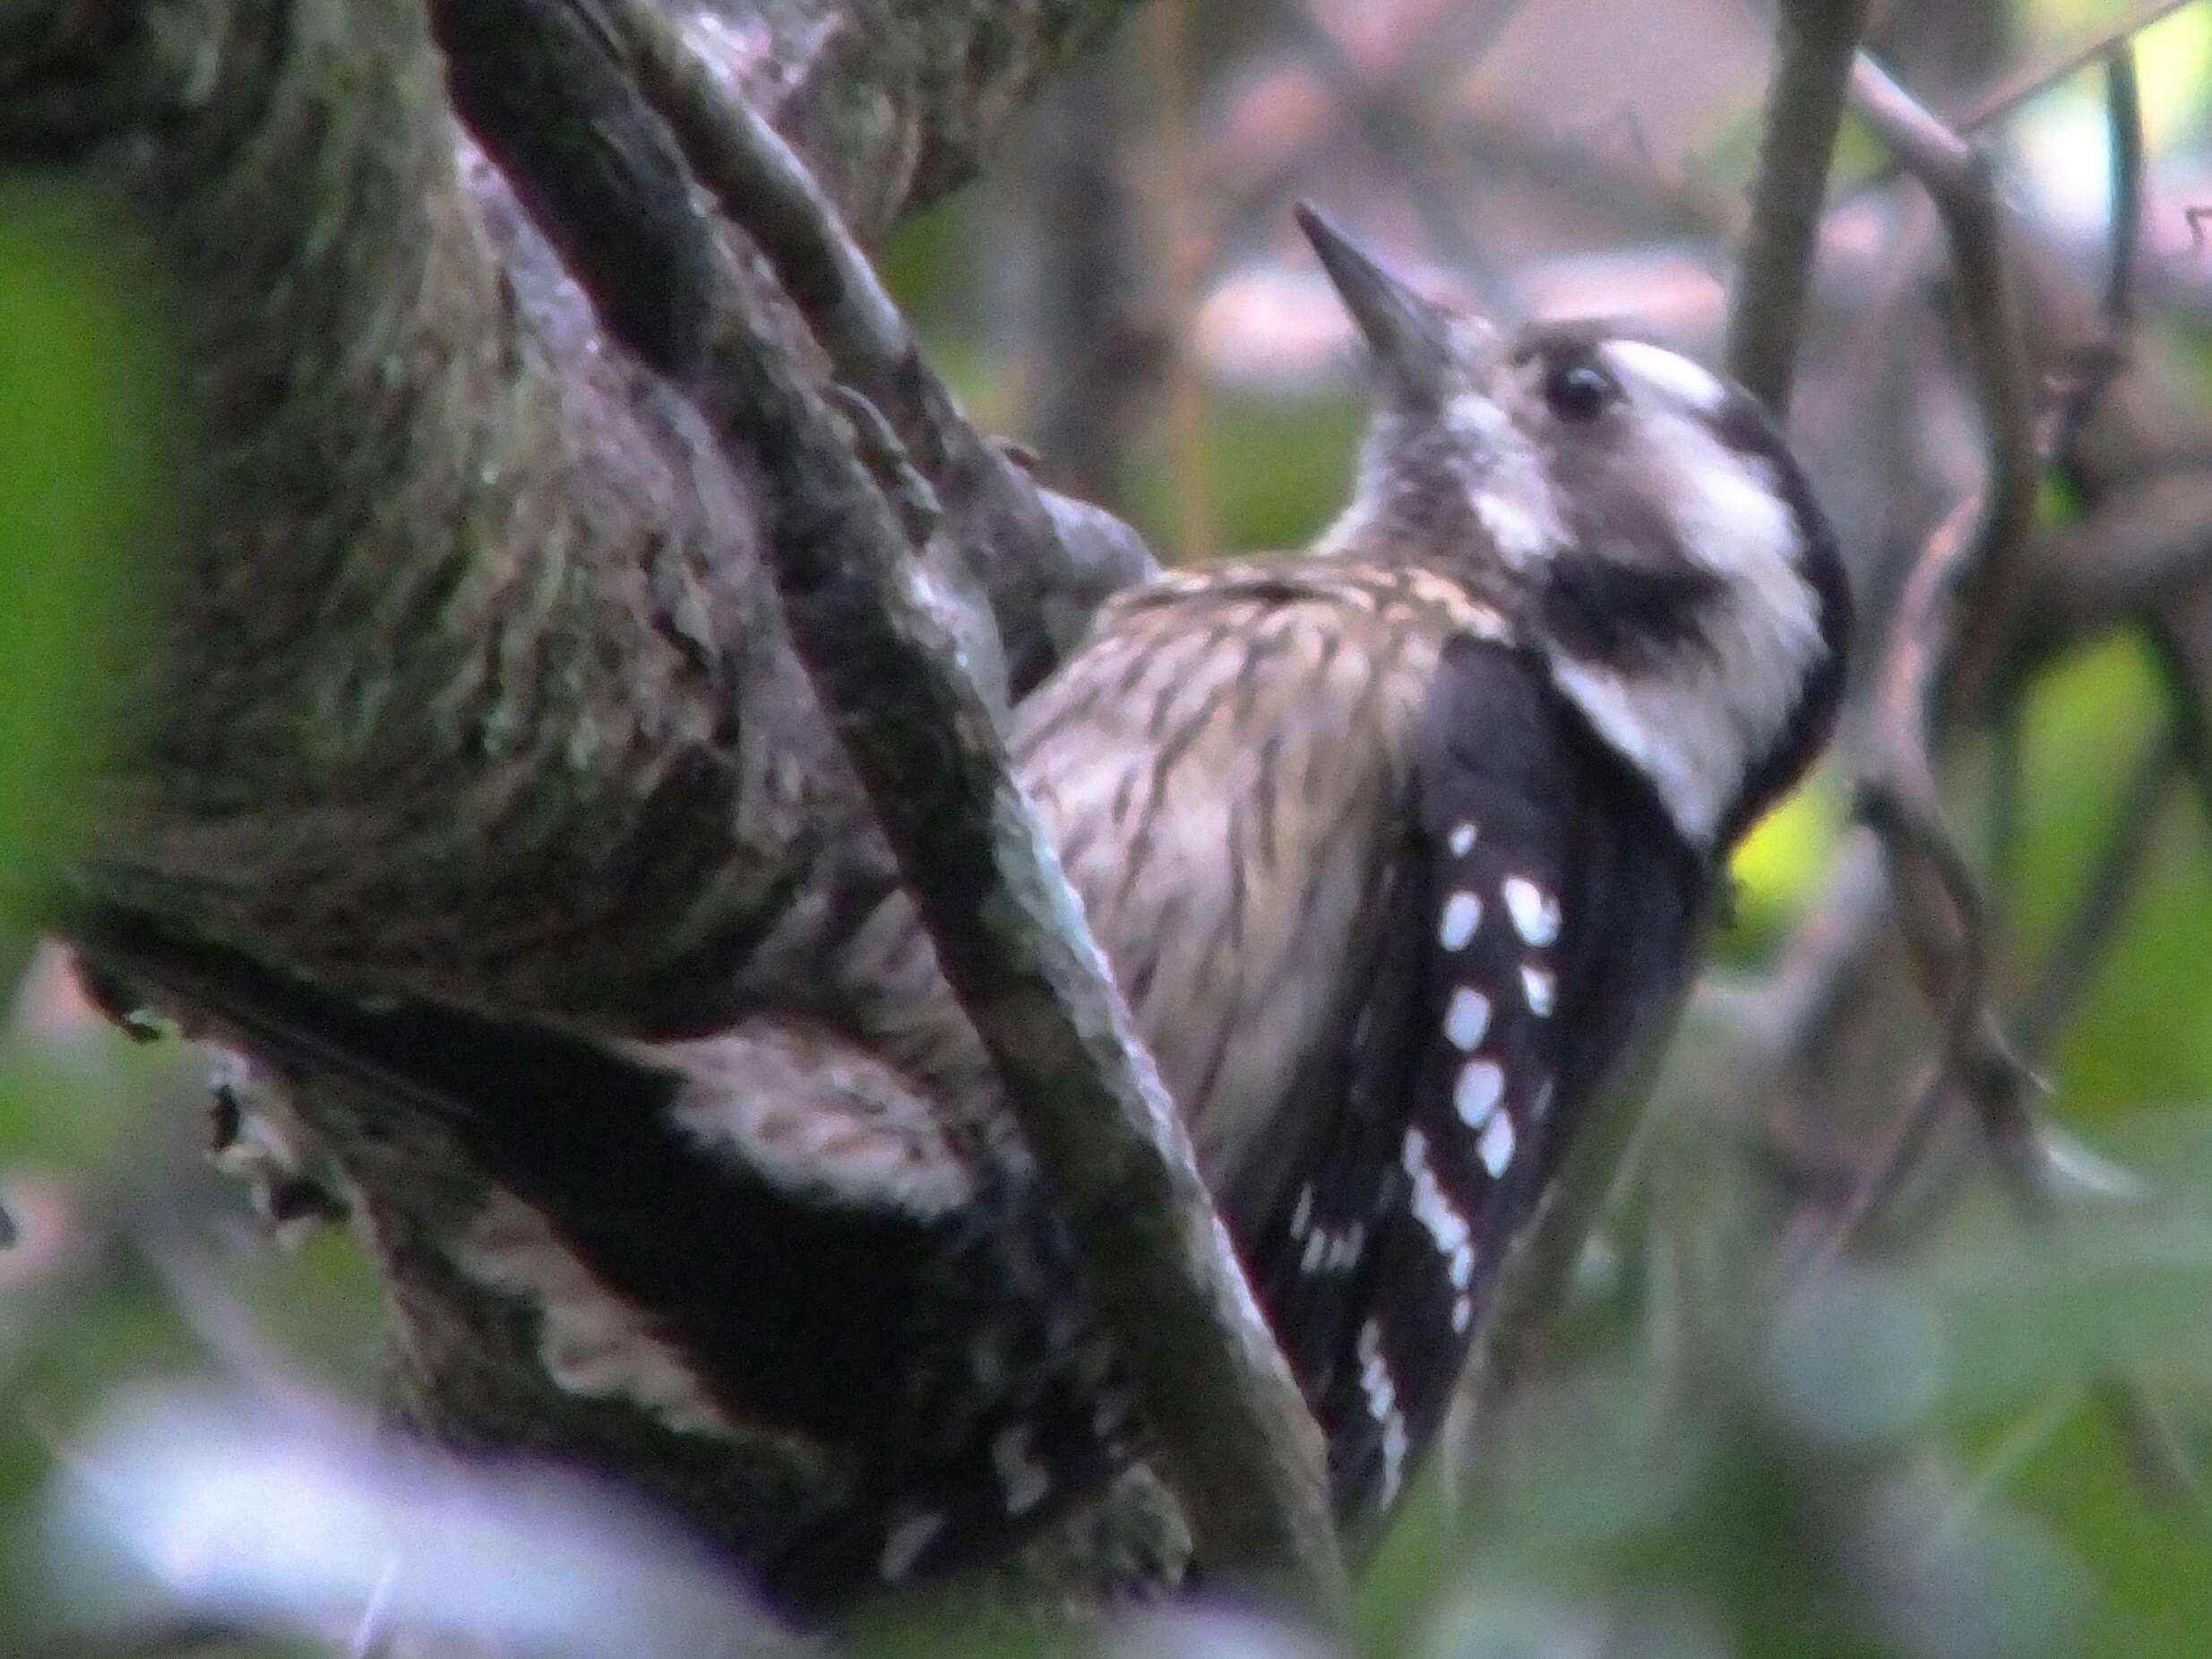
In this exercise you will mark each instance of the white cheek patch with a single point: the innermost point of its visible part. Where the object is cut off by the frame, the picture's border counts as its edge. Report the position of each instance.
(1024, 1478)
(1505, 480)
(1698, 722)
(1687, 382)
(1732, 518)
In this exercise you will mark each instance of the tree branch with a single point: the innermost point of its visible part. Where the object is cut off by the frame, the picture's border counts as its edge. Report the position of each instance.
(1963, 564)
(1004, 522)
(1813, 43)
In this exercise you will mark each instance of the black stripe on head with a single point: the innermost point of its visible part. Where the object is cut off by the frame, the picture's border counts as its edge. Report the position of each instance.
(1629, 616)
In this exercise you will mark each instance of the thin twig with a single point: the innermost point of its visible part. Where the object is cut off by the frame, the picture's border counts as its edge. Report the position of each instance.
(2181, 753)
(1001, 514)
(1238, 1442)
(2188, 700)
(1813, 44)
(2101, 361)
(1093, 354)
(1938, 903)
(1960, 181)
(2162, 1459)
(2072, 961)
(2100, 364)
(1166, 32)
(1389, 125)
(2002, 101)
(2124, 116)
(1994, 105)
(1448, 51)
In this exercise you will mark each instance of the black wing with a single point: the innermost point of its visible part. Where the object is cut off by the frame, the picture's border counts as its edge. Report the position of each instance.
(1539, 916)
(859, 1327)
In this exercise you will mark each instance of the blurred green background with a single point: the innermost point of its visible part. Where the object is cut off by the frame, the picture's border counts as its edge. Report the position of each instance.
(1932, 1458)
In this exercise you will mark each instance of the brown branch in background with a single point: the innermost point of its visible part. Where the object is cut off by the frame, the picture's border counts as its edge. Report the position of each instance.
(1813, 43)
(1963, 564)
(1961, 183)
(2099, 362)
(1451, 49)
(1378, 113)
(1166, 32)
(1093, 352)
(2137, 551)
(2002, 101)
(2148, 539)
(1938, 905)
(2072, 961)
(1994, 105)
(1238, 1443)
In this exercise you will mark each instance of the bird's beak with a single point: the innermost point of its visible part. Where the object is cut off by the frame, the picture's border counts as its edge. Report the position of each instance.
(1408, 335)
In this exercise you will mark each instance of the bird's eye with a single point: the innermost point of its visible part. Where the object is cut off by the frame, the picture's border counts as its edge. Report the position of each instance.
(1579, 391)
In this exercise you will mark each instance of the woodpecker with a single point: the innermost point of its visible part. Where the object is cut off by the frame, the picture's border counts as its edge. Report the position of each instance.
(1399, 850)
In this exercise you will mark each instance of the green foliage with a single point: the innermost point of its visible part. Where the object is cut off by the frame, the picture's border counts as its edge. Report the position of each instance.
(84, 406)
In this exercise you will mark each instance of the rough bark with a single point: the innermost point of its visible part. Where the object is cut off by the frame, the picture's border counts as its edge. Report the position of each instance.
(465, 678)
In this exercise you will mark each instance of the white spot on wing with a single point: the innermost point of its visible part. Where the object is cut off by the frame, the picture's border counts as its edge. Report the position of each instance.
(1375, 1381)
(1535, 911)
(1687, 382)
(1461, 841)
(1395, 1446)
(590, 1341)
(1462, 1312)
(1466, 1019)
(1344, 1250)
(1476, 1095)
(1333, 1252)
(1540, 988)
(1496, 1146)
(1018, 1471)
(1433, 1209)
(1301, 1217)
(904, 1543)
(1463, 914)
(1107, 1415)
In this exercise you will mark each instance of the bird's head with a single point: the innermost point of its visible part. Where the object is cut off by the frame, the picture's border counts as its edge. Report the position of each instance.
(1638, 518)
